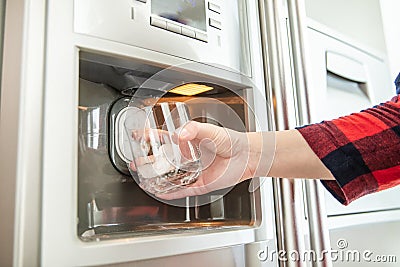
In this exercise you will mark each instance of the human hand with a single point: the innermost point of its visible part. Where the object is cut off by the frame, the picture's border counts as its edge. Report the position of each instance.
(227, 158)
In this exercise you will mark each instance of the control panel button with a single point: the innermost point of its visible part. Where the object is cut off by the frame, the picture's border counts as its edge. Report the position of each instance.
(214, 7)
(215, 23)
(188, 32)
(158, 22)
(201, 36)
(174, 28)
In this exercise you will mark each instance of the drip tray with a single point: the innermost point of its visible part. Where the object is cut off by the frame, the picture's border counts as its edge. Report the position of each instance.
(130, 230)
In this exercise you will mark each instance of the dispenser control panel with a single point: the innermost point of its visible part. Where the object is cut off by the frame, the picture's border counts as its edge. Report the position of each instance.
(208, 31)
(186, 17)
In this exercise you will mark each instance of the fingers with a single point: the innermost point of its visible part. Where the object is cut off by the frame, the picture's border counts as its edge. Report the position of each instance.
(176, 195)
(196, 130)
(132, 166)
(184, 192)
(147, 133)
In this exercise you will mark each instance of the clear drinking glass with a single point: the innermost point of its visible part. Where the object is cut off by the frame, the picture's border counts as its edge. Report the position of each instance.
(161, 163)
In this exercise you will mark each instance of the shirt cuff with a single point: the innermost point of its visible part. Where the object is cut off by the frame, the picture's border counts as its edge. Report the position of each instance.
(351, 181)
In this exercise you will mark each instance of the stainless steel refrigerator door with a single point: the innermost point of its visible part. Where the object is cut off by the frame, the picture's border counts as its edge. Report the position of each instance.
(59, 238)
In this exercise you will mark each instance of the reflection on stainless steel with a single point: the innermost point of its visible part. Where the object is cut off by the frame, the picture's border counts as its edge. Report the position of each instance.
(117, 215)
(319, 236)
(217, 207)
(296, 12)
(92, 134)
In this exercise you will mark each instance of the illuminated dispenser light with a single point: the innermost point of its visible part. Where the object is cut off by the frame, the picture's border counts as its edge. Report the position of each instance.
(191, 89)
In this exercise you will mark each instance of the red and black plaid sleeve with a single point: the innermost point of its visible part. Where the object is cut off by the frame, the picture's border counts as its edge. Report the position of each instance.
(361, 150)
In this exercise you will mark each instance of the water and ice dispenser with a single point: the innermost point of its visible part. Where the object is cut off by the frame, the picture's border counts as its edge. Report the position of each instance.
(110, 203)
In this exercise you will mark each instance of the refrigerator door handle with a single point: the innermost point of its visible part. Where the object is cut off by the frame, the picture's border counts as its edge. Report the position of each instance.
(317, 220)
(317, 216)
(278, 78)
(297, 27)
(273, 59)
(346, 67)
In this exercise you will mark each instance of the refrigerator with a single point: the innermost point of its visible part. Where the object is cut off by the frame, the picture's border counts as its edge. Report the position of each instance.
(69, 70)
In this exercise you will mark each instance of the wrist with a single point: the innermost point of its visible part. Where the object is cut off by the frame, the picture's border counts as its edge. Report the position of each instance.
(261, 152)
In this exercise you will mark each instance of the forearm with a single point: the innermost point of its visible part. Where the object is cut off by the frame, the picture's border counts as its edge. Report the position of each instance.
(284, 154)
